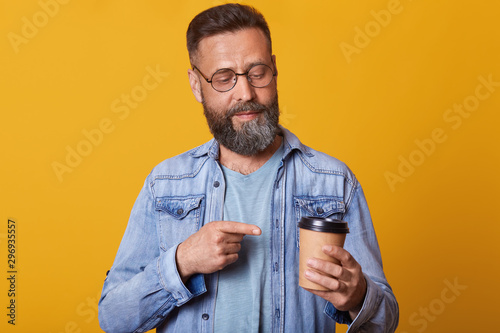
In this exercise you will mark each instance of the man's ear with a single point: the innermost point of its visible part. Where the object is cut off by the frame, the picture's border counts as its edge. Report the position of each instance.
(273, 57)
(194, 82)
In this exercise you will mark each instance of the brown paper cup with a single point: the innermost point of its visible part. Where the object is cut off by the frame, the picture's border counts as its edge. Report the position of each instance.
(311, 243)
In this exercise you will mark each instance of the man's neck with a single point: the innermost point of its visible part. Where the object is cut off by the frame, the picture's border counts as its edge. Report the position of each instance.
(248, 164)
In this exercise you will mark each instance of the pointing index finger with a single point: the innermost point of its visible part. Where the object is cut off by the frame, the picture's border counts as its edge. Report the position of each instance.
(232, 227)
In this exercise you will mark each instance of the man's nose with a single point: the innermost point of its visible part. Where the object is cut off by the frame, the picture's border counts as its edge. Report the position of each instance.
(243, 90)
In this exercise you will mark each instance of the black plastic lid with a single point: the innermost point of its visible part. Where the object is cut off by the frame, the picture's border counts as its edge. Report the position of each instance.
(323, 225)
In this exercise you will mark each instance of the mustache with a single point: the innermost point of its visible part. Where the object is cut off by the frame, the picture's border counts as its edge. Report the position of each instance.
(247, 106)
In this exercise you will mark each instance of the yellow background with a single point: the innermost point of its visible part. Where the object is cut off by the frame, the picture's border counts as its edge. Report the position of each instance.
(440, 225)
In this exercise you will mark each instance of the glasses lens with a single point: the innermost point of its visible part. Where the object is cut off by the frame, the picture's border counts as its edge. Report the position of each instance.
(260, 76)
(224, 79)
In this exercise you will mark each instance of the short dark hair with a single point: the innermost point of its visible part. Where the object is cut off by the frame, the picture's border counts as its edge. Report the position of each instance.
(230, 17)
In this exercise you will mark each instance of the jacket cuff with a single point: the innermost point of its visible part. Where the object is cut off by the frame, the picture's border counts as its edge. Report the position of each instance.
(341, 317)
(373, 297)
(172, 282)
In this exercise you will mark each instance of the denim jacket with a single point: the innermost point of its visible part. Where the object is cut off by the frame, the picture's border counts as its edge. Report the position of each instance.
(143, 289)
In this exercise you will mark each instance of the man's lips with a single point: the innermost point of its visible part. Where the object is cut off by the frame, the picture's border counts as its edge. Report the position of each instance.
(247, 114)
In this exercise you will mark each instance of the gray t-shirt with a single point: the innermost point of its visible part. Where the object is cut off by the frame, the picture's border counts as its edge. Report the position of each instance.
(243, 302)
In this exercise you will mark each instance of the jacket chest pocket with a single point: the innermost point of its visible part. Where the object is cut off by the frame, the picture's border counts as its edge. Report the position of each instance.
(320, 206)
(179, 217)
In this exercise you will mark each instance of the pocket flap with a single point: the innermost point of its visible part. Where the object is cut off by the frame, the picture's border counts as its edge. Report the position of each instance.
(178, 207)
(322, 206)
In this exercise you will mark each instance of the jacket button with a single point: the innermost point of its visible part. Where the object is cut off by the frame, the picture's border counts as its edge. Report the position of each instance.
(216, 184)
(205, 316)
(319, 210)
(180, 211)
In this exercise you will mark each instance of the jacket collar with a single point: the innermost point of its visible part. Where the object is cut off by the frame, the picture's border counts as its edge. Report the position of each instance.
(291, 143)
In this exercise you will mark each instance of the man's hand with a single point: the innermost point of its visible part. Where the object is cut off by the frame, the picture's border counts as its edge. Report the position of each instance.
(212, 248)
(345, 281)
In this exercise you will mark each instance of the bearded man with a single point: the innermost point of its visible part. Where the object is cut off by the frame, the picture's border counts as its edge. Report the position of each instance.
(212, 244)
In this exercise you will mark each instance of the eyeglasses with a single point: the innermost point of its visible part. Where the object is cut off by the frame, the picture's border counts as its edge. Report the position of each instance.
(224, 79)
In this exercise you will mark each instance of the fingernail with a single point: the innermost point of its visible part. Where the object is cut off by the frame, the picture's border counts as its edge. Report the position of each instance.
(256, 231)
(309, 273)
(327, 248)
(310, 262)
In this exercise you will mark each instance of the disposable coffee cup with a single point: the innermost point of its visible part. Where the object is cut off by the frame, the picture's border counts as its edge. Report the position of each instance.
(316, 232)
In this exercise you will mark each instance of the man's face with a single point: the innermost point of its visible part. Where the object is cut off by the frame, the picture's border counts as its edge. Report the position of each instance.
(243, 119)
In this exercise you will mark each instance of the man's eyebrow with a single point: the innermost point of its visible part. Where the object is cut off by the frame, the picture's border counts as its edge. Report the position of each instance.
(256, 63)
(248, 66)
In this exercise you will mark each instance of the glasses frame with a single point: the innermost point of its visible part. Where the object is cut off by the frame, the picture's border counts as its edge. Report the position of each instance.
(237, 74)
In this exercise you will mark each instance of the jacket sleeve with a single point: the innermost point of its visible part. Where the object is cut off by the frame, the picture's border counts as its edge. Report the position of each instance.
(380, 312)
(143, 285)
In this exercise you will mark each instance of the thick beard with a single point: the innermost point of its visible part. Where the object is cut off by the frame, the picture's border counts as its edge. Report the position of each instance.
(252, 136)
